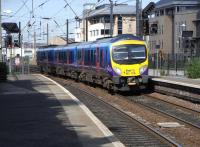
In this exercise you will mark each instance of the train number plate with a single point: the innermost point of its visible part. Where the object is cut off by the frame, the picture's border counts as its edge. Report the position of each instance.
(130, 72)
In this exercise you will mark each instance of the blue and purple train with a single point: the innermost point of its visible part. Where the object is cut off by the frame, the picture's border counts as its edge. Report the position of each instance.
(118, 63)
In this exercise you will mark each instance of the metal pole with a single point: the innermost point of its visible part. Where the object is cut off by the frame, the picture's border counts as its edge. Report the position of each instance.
(11, 59)
(47, 34)
(0, 35)
(19, 40)
(32, 10)
(138, 17)
(86, 31)
(111, 18)
(67, 31)
(157, 62)
(34, 46)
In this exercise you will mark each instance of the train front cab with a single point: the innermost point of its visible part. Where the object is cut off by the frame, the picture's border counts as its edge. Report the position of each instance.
(129, 61)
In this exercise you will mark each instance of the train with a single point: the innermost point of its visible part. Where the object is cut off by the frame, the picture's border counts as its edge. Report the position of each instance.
(117, 63)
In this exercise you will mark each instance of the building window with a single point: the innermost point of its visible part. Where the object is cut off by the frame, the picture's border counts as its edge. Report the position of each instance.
(161, 12)
(119, 25)
(97, 32)
(153, 29)
(107, 19)
(105, 32)
(178, 9)
(157, 13)
(93, 32)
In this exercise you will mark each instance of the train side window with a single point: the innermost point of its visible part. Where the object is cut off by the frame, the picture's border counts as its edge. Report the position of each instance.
(101, 58)
(67, 52)
(85, 57)
(92, 57)
(71, 57)
(82, 56)
(65, 56)
(87, 54)
(97, 55)
(79, 57)
(58, 56)
(62, 56)
(105, 58)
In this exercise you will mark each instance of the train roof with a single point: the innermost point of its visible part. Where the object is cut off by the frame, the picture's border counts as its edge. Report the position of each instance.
(119, 38)
(98, 41)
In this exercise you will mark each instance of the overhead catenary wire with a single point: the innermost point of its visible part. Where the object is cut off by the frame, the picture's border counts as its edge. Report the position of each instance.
(59, 24)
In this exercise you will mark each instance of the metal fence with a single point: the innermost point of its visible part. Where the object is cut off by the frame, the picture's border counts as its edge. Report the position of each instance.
(23, 67)
(168, 64)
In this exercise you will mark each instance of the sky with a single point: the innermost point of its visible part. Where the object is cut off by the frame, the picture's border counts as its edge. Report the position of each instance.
(56, 10)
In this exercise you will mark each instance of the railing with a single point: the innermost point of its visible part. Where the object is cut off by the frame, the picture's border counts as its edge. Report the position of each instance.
(168, 64)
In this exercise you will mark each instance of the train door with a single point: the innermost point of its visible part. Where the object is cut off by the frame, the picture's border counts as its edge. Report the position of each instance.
(67, 57)
(97, 58)
(82, 56)
(75, 56)
(101, 56)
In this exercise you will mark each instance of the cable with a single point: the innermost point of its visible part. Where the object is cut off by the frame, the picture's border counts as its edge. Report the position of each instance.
(76, 16)
(24, 3)
(58, 25)
(39, 6)
(53, 16)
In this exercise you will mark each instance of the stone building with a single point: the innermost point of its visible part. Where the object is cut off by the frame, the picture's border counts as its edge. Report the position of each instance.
(174, 27)
(96, 21)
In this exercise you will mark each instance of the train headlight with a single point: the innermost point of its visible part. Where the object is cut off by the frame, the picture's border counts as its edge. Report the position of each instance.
(117, 70)
(143, 69)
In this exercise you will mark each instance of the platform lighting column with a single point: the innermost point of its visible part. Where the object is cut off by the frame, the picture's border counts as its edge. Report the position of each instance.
(67, 31)
(47, 34)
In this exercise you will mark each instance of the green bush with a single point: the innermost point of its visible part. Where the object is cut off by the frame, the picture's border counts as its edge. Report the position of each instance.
(193, 68)
(3, 71)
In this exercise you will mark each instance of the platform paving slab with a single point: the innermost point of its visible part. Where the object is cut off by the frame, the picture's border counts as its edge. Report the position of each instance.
(35, 112)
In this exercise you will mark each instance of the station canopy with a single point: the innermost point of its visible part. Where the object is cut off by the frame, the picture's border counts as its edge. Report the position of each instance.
(10, 27)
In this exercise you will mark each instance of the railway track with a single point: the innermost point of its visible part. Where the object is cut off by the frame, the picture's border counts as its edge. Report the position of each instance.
(128, 130)
(188, 116)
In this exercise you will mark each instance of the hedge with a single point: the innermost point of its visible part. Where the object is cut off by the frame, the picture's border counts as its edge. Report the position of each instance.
(193, 68)
(3, 71)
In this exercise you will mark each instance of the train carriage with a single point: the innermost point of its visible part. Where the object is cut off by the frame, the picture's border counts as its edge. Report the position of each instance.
(118, 63)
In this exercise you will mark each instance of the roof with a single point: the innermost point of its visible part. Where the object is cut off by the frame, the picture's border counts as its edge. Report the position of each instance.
(169, 3)
(118, 38)
(117, 10)
(10, 27)
(103, 40)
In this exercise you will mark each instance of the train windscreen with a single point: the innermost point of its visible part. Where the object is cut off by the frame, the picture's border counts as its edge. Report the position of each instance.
(129, 54)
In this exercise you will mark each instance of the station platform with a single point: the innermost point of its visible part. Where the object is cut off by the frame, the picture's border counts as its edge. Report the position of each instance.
(182, 81)
(38, 112)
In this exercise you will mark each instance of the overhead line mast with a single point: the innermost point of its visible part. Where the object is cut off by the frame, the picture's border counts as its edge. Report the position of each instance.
(139, 18)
